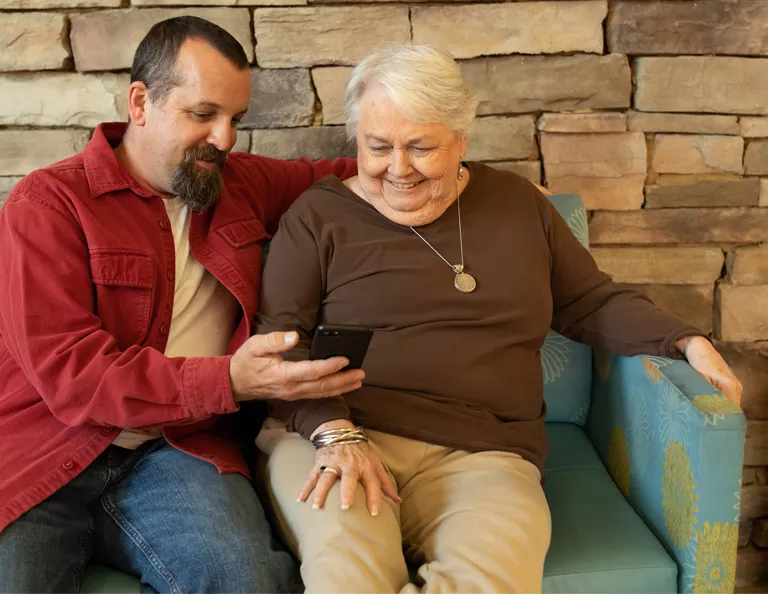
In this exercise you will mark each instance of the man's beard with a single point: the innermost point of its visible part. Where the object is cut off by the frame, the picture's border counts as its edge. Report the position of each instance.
(199, 187)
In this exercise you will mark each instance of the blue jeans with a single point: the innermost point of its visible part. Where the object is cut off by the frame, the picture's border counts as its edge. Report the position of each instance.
(166, 517)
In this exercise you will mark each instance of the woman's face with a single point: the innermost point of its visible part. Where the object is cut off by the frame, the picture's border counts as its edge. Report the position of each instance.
(407, 171)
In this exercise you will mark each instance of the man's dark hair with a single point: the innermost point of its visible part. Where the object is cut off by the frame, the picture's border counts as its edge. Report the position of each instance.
(155, 60)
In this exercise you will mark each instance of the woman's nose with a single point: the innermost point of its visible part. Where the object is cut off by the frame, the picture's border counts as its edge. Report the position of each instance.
(399, 163)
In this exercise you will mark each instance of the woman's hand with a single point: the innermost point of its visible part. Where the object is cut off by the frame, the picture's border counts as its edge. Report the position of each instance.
(354, 462)
(703, 357)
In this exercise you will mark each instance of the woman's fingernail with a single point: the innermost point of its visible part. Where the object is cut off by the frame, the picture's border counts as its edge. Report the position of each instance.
(345, 506)
(315, 506)
(290, 337)
(374, 511)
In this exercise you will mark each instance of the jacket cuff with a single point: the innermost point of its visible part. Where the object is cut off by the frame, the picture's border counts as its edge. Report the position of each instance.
(206, 386)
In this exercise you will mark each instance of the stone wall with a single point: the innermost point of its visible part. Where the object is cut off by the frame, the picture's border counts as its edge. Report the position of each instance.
(655, 112)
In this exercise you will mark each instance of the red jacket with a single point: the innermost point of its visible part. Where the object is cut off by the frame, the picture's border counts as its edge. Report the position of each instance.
(87, 270)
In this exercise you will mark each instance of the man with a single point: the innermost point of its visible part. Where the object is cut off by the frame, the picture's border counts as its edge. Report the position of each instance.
(130, 276)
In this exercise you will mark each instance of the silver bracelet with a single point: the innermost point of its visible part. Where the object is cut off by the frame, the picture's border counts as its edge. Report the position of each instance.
(339, 437)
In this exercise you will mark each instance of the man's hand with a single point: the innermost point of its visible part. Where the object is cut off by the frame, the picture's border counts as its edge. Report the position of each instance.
(703, 357)
(257, 371)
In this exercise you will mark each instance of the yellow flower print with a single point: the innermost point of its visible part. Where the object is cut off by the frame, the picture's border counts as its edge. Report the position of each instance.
(715, 407)
(679, 495)
(652, 372)
(716, 559)
(618, 459)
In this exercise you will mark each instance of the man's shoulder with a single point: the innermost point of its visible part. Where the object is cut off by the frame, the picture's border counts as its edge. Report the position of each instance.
(55, 185)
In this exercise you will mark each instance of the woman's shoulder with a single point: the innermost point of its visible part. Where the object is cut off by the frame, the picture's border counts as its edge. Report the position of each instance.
(513, 190)
(325, 199)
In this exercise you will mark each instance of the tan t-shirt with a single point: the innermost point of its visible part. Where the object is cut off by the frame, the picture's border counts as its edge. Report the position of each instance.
(203, 310)
(459, 370)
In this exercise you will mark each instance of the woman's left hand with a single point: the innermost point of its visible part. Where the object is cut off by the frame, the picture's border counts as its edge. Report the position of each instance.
(703, 357)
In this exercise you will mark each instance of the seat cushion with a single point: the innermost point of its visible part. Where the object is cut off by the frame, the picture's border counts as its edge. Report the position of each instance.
(599, 543)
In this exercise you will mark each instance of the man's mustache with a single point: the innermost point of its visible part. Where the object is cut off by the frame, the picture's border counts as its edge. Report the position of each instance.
(208, 153)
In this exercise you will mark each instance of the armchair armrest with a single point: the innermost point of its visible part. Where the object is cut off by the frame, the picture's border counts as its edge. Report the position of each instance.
(674, 446)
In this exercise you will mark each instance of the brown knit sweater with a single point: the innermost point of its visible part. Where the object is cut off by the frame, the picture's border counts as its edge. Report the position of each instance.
(460, 370)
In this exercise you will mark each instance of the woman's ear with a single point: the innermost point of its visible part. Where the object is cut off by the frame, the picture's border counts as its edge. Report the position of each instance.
(138, 98)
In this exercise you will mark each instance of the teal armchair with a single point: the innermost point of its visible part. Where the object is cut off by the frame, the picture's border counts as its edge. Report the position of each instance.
(643, 477)
(644, 473)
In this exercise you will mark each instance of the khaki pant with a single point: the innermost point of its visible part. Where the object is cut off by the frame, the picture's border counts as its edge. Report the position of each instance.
(475, 522)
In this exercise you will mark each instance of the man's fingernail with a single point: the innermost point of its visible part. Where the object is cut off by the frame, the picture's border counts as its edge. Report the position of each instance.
(290, 337)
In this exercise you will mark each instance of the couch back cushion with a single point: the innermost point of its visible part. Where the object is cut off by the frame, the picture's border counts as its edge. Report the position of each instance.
(567, 366)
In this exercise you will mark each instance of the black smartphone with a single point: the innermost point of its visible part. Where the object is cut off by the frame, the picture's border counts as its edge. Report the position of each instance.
(350, 341)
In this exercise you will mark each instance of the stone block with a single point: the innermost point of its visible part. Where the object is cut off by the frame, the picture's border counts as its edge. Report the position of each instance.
(33, 41)
(681, 123)
(763, 193)
(748, 265)
(331, 83)
(63, 99)
(760, 533)
(593, 155)
(742, 314)
(751, 568)
(756, 157)
(698, 154)
(24, 150)
(530, 169)
(280, 98)
(680, 226)
(745, 532)
(50, 4)
(502, 138)
(743, 192)
(519, 84)
(754, 127)
(756, 445)
(243, 143)
(707, 84)
(516, 28)
(328, 35)
(595, 122)
(709, 27)
(754, 502)
(602, 193)
(311, 142)
(671, 265)
(94, 34)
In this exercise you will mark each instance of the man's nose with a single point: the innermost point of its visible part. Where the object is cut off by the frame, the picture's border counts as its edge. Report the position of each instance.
(222, 135)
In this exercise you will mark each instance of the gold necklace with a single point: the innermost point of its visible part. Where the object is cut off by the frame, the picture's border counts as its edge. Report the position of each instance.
(464, 282)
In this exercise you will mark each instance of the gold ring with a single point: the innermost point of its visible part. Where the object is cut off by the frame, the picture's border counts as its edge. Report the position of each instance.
(331, 470)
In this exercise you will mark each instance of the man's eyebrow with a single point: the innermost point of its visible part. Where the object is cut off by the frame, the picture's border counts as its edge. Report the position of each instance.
(208, 104)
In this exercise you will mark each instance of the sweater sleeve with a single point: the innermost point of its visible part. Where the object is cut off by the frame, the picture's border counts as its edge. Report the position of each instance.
(589, 307)
(293, 286)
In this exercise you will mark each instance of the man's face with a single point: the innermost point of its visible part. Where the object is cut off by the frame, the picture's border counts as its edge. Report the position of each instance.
(190, 133)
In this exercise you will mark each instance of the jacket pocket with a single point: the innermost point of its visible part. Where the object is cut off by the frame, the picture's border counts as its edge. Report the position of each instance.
(123, 281)
(245, 232)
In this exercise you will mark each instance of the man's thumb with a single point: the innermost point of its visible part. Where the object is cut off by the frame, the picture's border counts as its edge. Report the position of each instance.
(272, 343)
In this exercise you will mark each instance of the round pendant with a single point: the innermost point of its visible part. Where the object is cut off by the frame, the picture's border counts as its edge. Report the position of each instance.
(464, 282)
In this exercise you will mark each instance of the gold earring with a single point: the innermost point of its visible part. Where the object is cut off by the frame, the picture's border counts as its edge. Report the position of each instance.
(461, 171)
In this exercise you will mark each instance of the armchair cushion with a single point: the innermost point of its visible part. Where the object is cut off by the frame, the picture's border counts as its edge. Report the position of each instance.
(599, 543)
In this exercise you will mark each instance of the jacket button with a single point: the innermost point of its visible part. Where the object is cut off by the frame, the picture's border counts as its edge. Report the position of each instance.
(164, 329)
(68, 465)
(164, 224)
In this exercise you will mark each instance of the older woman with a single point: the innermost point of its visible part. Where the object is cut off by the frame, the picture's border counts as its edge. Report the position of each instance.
(462, 270)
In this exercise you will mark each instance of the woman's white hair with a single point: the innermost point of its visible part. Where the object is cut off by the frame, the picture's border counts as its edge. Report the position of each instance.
(424, 82)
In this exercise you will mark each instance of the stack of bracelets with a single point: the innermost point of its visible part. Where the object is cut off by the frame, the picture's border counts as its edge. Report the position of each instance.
(339, 437)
